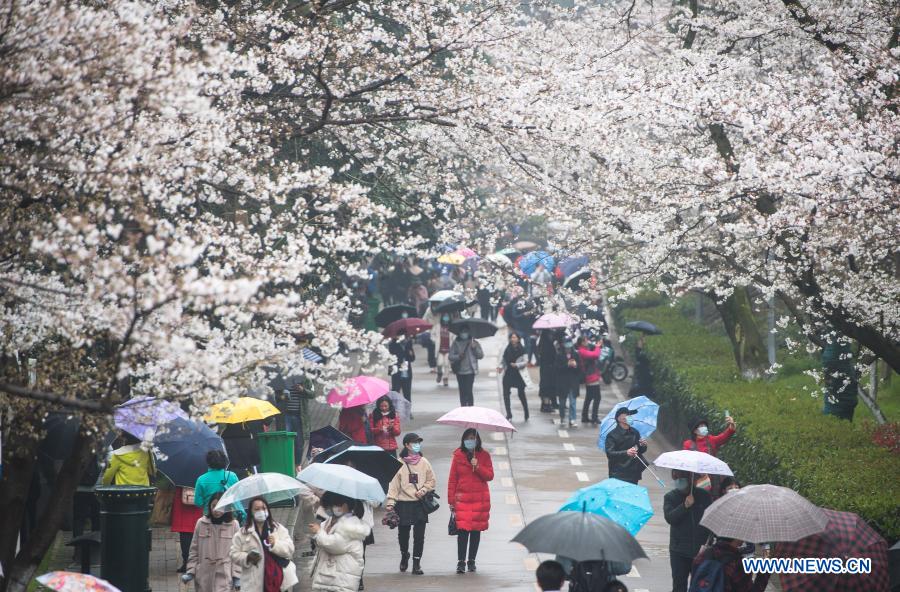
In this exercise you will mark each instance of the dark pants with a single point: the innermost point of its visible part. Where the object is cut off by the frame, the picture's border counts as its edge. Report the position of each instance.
(418, 538)
(292, 423)
(681, 571)
(184, 539)
(403, 385)
(428, 343)
(466, 395)
(522, 399)
(591, 397)
(470, 538)
(485, 310)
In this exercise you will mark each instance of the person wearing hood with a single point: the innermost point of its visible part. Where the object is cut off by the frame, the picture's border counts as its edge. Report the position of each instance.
(129, 464)
(339, 541)
(702, 441)
(546, 357)
(625, 449)
(262, 549)
(512, 362)
(568, 370)
(465, 352)
(469, 496)
(407, 488)
(683, 508)
(209, 563)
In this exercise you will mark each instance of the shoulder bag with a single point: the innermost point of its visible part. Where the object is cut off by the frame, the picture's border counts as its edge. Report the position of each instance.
(428, 501)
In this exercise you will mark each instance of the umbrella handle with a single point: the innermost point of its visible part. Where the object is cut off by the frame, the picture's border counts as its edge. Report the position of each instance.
(658, 480)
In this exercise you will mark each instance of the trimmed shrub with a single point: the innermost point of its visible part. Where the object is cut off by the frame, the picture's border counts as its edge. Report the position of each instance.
(783, 437)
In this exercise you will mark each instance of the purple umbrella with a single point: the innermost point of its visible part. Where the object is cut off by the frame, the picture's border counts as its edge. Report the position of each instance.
(141, 416)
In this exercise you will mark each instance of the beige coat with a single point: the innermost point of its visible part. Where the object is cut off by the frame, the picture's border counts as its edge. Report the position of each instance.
(401, 490)
(209, 560)
(252, 576)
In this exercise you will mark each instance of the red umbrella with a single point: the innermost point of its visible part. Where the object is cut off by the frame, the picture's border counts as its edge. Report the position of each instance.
(410, 326)
(847, 535)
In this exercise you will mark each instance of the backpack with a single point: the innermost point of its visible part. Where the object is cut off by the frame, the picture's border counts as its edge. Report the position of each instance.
(589, 576)
(708, 576)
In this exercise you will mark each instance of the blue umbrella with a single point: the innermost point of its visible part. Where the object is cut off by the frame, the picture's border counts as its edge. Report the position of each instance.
(620, 501)
(343, 480)
(572, 264)
(644, 420)
(529, 262)
(183, 445)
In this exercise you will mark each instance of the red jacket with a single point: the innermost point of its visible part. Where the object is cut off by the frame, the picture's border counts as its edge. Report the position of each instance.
(352, 423)
(590, 358)
(387, 440)
(468, 492)
(184, 518)
(711, 443)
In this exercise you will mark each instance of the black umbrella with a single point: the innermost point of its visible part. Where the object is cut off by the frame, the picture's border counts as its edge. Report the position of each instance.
(644, 327)
(573, 282)
(451, 304)
(371, 460)
(580, 536)
(894, 563)
(478, 328)
(325, 438)
(389, 314)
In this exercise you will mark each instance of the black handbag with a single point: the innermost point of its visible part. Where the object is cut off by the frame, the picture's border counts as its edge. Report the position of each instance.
(428, 501)
(452, 529)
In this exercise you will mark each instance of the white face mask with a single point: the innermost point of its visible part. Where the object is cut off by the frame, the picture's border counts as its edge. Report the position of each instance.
(260, 515)
(702, 431)
(337, 512)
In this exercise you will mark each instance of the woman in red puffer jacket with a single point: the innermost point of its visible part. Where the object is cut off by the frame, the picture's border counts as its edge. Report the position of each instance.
(469, 496)
(385, 425)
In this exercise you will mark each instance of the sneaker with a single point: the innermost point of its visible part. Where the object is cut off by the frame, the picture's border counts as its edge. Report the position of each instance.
(573, 424)
(460, 567)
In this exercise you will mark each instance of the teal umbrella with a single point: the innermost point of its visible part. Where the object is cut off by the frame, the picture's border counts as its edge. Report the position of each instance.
(625, 504)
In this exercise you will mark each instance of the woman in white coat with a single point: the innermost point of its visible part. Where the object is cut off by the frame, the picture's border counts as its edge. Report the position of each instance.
(261, 540)
(339, 541)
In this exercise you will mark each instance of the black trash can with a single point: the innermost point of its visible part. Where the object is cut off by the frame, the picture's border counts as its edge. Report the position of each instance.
(125, 532)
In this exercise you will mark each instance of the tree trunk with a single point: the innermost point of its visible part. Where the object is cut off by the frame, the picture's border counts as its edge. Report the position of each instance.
(21, 570)
(747, 342)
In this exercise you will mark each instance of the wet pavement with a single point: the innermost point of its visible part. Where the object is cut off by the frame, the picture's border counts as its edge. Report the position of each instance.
(536, 469)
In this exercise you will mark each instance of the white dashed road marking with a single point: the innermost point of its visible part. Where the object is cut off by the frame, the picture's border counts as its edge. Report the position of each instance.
(506, 481)
(582, 476)
(511, 499)
(575, 461)
(563, 434)
(568, 446)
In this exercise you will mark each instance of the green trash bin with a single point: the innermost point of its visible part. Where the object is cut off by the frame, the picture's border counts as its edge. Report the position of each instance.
(276, 452)
(125, 536)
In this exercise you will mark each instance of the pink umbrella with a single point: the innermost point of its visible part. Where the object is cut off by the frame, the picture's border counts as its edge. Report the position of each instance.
(555, 320)
(357, 391)
(480, 418)
(466, 252)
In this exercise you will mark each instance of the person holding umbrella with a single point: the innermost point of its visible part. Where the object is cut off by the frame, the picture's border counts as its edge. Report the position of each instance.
(339, 540)
(209, 559)
(385, 425)
(568, 370)
(404, 495)
(263, 550)
(469, 496)
(401, 347)
(354, 421)
(624, 449)
(512, 362)
(546, 356)
(464, 355)
(129, 464)
(683, 508)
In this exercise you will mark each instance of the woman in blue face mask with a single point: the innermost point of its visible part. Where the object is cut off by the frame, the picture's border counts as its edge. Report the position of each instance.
(407, 488)
(469, 496)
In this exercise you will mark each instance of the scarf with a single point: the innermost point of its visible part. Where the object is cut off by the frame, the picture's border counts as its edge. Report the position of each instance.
(412, 458)
(512, 354)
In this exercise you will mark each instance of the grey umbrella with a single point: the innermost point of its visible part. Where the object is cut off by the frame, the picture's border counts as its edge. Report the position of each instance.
(580, 536)
(764, 514)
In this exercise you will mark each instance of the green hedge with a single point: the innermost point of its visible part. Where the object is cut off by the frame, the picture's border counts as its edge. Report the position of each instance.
(783, 437)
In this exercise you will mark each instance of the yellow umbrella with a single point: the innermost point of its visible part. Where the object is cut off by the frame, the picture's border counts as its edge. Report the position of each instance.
(245, 409)
(452, 259)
